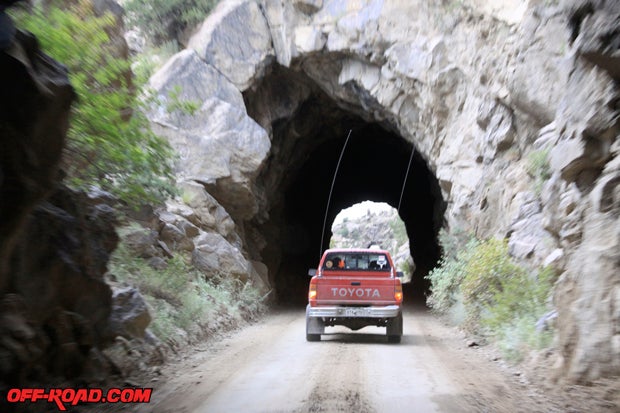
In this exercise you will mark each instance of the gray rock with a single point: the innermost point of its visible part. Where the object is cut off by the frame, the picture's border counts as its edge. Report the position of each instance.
(176, 238)
(190, 79)
(214, 255)
(235, 40)
(130, 315)
(142, 241)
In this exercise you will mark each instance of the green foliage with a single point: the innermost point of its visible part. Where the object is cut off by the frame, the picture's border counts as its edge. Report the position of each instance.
(164, 20)
(188, 107)
(149, 60)
(516, 306)
(109, 141)
(538, 168)
(484, 271)
(452, 242)
(496, 296)
(446, 279)
(181, 300)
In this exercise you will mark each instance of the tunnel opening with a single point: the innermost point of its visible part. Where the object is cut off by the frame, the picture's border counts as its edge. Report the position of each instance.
(297, 177)
(374, 224)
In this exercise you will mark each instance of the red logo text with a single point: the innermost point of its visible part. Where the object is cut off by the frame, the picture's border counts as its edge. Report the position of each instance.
(72, 397)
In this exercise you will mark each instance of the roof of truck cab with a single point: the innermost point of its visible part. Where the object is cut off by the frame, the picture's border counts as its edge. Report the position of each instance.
(349, 250)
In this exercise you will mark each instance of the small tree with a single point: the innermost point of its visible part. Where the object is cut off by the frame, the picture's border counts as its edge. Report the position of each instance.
(109, 140)
(163, 20)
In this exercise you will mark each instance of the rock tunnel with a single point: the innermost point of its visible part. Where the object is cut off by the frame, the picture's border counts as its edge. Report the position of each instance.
(307, 143)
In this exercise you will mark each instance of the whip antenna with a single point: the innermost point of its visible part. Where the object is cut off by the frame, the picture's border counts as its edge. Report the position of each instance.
(331, 190)
(402, 191)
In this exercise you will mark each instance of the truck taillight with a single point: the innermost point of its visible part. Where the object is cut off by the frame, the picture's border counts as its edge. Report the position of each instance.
(312, 293)
(398, 293)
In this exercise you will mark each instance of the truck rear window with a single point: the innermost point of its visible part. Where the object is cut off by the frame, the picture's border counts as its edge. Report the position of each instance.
(356, 262)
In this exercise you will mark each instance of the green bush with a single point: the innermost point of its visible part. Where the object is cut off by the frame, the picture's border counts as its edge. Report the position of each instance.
(446, 279)
(515, 308)
(538, 168)
(453, 242)
(484, 271)
(496, 296)
(109, 143)
(164, 20)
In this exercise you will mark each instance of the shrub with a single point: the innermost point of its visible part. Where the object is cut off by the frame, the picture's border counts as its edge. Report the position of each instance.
(164, 20)
(516, 307)
(109, 143)
(453, 242)
(446, 279)
(482, 286)
(538, 168)
(484, 271)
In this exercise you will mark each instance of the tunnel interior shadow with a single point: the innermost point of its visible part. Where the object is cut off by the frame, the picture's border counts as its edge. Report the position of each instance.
(373, 168)
(298, 175)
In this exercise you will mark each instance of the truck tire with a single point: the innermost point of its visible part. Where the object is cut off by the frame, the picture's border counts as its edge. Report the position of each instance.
(394, 329)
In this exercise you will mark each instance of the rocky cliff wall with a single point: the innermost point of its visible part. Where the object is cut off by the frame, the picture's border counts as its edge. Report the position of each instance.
(515, 115)
(57, 313)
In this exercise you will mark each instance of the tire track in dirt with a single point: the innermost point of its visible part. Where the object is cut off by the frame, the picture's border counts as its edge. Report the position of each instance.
(340, 382)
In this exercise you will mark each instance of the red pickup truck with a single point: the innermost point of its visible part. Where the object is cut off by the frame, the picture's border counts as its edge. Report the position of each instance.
(355, 288)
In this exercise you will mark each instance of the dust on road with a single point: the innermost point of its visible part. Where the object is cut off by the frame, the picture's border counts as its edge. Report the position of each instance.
(269, 367)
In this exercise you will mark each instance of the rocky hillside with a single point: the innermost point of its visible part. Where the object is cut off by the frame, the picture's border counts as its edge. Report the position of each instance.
(57, 313)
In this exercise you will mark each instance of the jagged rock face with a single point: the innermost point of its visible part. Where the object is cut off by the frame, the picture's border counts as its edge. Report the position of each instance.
(32, 139)
(56, 275)
(474, 92)
(55, 307)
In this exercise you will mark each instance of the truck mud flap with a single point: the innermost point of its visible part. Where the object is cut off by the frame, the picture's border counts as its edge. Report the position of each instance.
(394, 330)
(314, 327)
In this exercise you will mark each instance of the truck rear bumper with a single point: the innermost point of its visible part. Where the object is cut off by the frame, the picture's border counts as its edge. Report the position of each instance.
(388, 311)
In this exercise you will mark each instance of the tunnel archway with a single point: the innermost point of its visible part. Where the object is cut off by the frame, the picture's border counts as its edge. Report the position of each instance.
(296, 179)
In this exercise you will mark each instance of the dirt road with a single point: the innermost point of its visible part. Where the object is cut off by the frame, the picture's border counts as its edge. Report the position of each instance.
(269, 367)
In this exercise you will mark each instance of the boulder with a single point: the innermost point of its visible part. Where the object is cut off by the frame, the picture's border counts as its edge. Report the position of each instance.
(207, 213)
(177, 232)
(130, 315)
(186, 78)
(36, 91)
(218, 130)
(142, 242)
(214, 255)
(242, 24)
